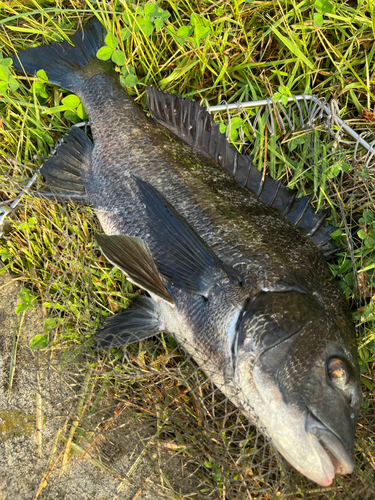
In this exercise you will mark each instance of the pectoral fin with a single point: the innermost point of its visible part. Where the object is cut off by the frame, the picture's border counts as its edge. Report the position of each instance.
(181, 255)
(141, 321)
(132, 255)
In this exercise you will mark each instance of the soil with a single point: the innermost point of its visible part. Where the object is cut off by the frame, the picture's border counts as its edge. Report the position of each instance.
(29, 469)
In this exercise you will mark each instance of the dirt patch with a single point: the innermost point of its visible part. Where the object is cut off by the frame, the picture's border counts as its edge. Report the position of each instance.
(30, 462)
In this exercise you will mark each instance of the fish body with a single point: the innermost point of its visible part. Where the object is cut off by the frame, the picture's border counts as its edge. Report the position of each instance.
(239, 284)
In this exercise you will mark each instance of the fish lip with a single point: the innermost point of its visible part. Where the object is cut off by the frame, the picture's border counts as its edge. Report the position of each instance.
(341, 459)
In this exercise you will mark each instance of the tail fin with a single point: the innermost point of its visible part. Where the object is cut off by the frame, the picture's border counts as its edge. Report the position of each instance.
(63, 62)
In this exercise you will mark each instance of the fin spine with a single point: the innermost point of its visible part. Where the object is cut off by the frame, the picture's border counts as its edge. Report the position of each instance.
(198, 129)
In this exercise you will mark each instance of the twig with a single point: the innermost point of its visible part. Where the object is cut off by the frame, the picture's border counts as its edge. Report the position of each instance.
(75, 423)
(13, 358)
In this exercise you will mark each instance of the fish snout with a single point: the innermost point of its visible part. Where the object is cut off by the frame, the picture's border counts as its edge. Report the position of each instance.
(342, 460)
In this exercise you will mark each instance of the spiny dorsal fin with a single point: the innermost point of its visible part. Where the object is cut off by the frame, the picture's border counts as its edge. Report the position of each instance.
(142, 320)
(132, 255)
(62, 170)
(195, 125)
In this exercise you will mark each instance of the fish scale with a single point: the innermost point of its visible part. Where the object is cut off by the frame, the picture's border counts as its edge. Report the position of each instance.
(222, 251)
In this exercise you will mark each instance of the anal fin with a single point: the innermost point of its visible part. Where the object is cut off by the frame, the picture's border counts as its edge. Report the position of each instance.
(62, 170)
(142, 320)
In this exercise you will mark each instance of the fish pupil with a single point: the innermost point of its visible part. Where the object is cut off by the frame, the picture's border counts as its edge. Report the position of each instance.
(337, 372)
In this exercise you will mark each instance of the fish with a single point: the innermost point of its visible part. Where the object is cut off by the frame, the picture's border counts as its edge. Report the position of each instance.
(233, 263)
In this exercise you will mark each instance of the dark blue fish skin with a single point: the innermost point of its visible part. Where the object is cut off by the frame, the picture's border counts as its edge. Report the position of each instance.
(266, 342)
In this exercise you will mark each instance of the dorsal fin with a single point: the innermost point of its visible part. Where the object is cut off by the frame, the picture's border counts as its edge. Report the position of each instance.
(195, 125)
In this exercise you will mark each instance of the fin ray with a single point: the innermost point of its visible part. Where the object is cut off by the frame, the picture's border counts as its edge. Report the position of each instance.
(195, 125)
(181, 255)
(62, 61)
(62, 170)
(132, 255)
(141, 321)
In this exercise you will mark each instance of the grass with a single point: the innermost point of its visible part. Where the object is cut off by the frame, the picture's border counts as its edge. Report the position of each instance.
(232, 51)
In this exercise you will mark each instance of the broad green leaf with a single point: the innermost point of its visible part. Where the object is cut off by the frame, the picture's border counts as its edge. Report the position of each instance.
(146, 25)
(323, 6)
(13, 83)
(184, 31)
(41, 74)
(197, 20)
(3, 87)
(125, 33)
(131, 81)
(118, 57)
(40, 341)
(158, 23)
(236, 123)
(233, 136)
(318, 20)
(362, 234)
(5, 255)
(127, 18)
(71, 116)
(284, 99)
(111, 41)
(201, 31)
(165, 15)
(81, 112)
(151, 9)
(336, 234)
(26, 300)
(104, 53)
(7, 61)
(39, 89)
(50, 323)
(71, 101)
(127, 70)
(171, 29)
(4, 73)
(368, 216)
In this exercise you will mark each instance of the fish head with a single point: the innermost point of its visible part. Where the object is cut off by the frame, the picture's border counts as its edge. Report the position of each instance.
(298, 372)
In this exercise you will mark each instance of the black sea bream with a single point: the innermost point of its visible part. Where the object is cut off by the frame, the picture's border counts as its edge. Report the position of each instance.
(233, 263)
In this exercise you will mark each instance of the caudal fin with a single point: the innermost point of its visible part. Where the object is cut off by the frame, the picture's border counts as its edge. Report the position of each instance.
(64, 62)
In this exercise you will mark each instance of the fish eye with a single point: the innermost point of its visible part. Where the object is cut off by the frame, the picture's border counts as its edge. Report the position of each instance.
(338, 372)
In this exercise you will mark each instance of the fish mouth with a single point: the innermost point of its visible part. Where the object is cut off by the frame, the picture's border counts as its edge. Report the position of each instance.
(342, 461)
